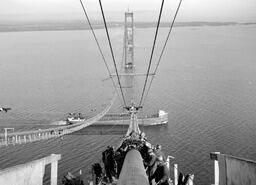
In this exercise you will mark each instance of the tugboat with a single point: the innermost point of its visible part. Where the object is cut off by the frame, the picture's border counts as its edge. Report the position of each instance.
(74, 118)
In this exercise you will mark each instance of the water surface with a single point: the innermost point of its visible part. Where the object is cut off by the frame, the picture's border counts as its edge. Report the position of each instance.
(206, 81)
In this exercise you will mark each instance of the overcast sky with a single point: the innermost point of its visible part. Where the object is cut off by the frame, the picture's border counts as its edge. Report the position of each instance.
(191, 10)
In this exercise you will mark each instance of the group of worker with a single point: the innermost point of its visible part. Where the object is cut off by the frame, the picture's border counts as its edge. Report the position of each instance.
(155, 164)
(153, 158)
(108, 158)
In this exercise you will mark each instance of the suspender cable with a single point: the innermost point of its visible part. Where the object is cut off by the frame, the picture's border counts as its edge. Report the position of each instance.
(163, 49)
(152, 52)
(112, 53)
(96, 40)
(167, 38)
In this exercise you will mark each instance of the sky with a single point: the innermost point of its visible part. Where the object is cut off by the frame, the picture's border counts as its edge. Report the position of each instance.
(191, 10)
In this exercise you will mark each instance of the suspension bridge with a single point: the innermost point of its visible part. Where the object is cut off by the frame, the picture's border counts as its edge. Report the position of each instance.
(124, 95)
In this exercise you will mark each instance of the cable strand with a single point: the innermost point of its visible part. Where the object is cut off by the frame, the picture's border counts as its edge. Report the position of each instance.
(112, 53)
(152, 52)
(100, 50)
(163, 49)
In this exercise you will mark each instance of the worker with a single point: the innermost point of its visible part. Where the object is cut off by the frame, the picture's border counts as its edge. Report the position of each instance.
(182, 180)
(142, 136)
(159, 153)
(144, 152)
(160, 174)
(109, 163)
(150, 161)
(97, 170)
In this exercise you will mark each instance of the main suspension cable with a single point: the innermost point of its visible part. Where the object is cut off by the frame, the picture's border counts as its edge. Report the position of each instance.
(112, 53)
(97, 42)
(152, 52)
(164, 46)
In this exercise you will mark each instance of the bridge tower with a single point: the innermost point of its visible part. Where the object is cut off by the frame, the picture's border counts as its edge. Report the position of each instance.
(128, 41)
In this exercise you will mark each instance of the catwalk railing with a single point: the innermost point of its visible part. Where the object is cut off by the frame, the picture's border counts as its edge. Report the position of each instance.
(42, 134)
(230, 170)
(31, 173)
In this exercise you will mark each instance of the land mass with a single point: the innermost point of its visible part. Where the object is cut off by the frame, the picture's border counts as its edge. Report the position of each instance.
(81, 25)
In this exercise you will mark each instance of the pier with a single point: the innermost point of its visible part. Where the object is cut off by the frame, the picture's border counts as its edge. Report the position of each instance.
(113, 119)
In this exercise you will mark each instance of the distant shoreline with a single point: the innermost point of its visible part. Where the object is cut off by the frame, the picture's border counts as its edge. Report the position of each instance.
(80, 25)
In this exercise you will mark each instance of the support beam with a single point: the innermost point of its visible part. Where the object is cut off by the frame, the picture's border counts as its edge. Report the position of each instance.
(6, 135)
(54, 172)
(133, 74)
(214, 157)
(25, 139)
(175, 174)
(191, 179)
(168, 161)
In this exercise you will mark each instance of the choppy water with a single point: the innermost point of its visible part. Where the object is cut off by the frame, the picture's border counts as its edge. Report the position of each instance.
(206, 81)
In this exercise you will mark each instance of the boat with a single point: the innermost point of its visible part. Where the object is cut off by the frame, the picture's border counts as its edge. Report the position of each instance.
(75, 118)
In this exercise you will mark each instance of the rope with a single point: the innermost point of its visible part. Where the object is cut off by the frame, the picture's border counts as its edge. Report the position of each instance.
(112, 53)
(163, 49)
(152, 52)
(97, 42)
